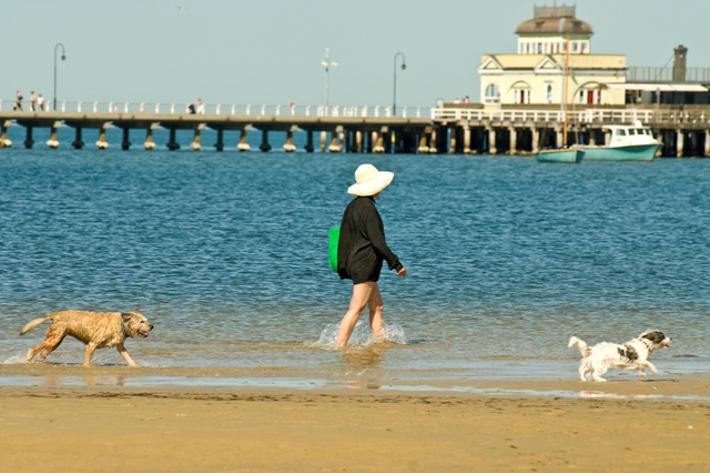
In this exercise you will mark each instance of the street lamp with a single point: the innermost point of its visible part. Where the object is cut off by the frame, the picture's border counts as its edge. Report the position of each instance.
(55, 71)
(394, 94)
(327, 64)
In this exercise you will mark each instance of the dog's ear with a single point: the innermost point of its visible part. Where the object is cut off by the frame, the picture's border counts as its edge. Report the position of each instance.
(654, 336)
(126, 316)
(138, 309)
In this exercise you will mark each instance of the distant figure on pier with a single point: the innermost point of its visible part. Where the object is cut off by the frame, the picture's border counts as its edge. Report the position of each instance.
(465, 99)
(18, 101)
(40, 102)
(191, 109)
(200, 107)
(292, 107)
(33, 101)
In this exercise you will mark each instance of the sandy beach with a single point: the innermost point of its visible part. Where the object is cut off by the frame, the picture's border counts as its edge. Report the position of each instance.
(623, 426)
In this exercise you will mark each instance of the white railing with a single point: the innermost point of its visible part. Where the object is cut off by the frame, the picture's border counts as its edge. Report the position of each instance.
(600, 115)
(579, 116)
(228, 109)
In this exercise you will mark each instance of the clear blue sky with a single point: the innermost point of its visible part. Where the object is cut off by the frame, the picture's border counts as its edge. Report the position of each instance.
(270, 51)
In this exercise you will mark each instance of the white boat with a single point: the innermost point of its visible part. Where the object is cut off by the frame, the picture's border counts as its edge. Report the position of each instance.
(626, 143)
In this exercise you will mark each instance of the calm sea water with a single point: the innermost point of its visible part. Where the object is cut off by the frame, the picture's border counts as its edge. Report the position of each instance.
(226, 253)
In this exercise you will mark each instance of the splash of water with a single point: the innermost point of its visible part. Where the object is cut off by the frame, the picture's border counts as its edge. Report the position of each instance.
(361, 336)
(13, 360)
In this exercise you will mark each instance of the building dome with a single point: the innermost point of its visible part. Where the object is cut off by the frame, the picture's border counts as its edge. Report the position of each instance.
(554, 20)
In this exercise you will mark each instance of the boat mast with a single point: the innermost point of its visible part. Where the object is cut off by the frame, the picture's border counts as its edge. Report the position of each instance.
(564, 128)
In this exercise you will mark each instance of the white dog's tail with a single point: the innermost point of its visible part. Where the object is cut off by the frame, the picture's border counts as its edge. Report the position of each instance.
(580, 344)
(32, 324)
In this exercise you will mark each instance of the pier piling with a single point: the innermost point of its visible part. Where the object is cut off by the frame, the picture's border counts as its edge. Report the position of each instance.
(4, 142)
(172, 143)
(289, 147)
(219, 145)
(265, 146)
(29, 142)
(309, 142)
(126, 142)
(149, 144)
(243, 145)
(52, 142)
(78, 143)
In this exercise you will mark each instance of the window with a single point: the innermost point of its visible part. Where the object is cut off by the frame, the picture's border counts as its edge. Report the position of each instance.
(492, 94)
(539, 48)
(521, 95)
(548, 93)
(620, 132)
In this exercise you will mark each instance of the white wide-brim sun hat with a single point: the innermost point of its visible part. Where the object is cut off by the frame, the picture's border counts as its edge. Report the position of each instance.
(369, 181)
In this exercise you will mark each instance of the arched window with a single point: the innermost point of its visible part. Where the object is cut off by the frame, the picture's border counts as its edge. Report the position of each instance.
(492, 94)
(520, 93)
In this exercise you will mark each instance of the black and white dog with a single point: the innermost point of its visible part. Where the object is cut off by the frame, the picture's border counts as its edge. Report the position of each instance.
(632, 355)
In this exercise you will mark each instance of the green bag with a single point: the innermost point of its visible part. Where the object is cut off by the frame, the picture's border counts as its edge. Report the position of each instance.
(333, 241)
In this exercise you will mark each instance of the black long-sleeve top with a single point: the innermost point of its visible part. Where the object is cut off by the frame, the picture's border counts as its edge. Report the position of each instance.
(362, 246)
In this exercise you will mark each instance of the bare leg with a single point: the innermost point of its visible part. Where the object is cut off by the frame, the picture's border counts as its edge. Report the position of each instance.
(122, 350)
(360, 298)
(376, 306)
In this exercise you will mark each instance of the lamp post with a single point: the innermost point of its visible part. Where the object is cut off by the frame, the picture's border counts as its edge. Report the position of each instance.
(55, 71)
(394, 94)
(327, 64)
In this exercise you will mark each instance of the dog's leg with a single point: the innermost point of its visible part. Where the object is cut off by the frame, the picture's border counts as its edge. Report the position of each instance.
(122, 350)
(52, 340)
(598, 370)
(583, 372)
(49, 348)
(33, 351)
(597, 377)
(646, 365)
(90, 349)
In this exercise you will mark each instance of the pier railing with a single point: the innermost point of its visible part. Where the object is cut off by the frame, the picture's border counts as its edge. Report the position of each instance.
(589, 116)
(656, 74)
(230, 109)
(608, 116)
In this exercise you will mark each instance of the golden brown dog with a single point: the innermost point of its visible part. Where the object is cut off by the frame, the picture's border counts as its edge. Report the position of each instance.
(95, 329)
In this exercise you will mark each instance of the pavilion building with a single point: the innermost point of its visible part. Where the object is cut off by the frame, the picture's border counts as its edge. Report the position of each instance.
(543, 68)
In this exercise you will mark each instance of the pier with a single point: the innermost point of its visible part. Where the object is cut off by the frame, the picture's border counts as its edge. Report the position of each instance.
(450, 128)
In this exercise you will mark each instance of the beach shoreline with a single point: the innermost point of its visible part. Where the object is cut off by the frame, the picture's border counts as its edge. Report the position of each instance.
(619, 426)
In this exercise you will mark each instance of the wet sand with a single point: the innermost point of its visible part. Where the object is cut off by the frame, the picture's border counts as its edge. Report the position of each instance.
(622, 426)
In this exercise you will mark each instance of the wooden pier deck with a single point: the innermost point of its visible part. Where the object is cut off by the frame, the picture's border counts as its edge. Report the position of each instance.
(465, 129)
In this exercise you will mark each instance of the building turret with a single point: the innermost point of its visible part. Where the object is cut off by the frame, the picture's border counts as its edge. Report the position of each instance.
(679, 61)
(547, 32)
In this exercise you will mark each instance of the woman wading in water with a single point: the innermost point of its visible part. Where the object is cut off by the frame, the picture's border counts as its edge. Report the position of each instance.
(361, 251)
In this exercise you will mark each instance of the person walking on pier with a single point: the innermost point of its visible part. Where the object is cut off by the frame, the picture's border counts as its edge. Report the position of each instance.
(33, 101)
(40, 102)
(361, 251)
(18, 101)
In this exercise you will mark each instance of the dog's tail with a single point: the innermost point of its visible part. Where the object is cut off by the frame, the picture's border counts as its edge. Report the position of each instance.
(33, 323)
(580, 344)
